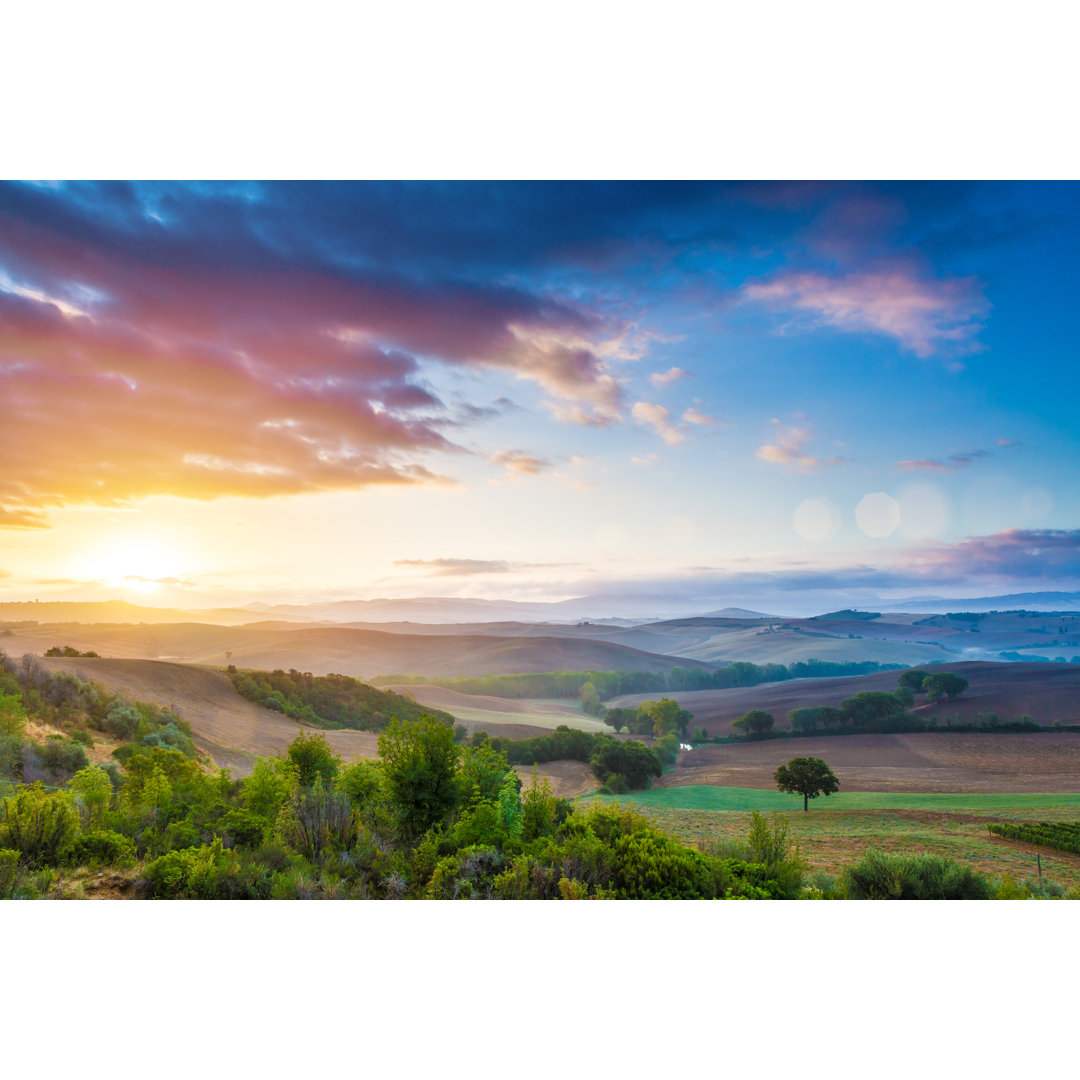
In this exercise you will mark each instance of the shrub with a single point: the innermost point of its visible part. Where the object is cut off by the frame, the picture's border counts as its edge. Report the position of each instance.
(317, 822)
(93, 787)
(123, 721)
(12, 715)
(39, 824)
(244, 828)
(877, 876)
(209, 872)
(9, 870)
(102, 847)
(62, 757)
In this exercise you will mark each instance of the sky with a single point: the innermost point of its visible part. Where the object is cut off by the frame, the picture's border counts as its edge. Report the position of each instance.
(788, 396)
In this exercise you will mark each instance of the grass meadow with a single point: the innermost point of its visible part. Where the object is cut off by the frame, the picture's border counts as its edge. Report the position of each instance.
(838, 828)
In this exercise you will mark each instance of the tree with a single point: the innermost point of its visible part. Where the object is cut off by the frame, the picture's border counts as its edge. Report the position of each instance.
(755, 722)
(632, 760)
(870, 705)
(944, 685)
(94, 790)
(808, 777)
(660, 717)
(314, 760)
(914, 679)
(420, 762)
(810, 716)
(619, 718)
(590, 700)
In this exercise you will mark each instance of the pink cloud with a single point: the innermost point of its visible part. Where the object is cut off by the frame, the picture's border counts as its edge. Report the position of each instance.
(927, 316)
(657, 418)
(664, 378)
(955, 461)
(520, 462)
(790, 450)
(171, 366)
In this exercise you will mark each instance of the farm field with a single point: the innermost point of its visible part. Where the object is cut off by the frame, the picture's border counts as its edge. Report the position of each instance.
(838, 829)
(515, 718)
(965, 762)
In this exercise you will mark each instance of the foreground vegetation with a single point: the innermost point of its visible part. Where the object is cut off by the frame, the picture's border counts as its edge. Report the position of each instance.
(833, 836)
(431, 818)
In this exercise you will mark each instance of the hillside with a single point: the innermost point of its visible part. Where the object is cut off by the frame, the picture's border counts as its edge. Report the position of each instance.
(233, 731)
(341, 650)
(1046, 692)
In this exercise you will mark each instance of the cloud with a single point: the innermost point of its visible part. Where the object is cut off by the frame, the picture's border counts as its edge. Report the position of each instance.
(664, 378)
(468, 567)
(695, 416)
(193, 341)
(1009, 442)
(175, 582)
(790, 450)
(657, 418)
(927, 316)
(1013, 553)
(956, 461)
(20, 517)
(646, 461)
(575, 414)
(519, 462)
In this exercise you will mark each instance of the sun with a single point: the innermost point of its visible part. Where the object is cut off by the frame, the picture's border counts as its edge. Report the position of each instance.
(142, 563)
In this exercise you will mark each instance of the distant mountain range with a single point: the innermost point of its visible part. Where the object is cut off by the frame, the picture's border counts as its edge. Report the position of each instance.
(1029, 601)
(602, 609)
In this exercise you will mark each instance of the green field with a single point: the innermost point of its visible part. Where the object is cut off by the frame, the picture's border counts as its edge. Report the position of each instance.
(708, 797)
(837, 829)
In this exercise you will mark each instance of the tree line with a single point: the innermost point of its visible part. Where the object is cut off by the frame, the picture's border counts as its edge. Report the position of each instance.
(328, 701)
(608, 684)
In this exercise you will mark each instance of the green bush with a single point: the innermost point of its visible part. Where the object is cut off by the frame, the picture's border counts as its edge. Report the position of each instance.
(41, 825)
(208, 872)
(102, 847)
(123, 722)
(9, 871)
(62, 757)
(878, 876)
(317, 822)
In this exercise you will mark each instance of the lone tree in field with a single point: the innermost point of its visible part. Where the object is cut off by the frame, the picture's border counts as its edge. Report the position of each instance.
(808, 777)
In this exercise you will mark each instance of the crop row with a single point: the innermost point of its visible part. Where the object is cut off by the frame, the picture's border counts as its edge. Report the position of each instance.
(1062, 836)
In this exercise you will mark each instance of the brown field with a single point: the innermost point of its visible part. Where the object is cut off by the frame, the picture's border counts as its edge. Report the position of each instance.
(1045, 692)
(567, 778)
(962, 762)
(509, 717)
(232, 730)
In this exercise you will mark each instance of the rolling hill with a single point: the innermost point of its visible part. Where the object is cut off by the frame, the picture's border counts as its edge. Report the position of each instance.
(344, 650)
(1046, 692)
